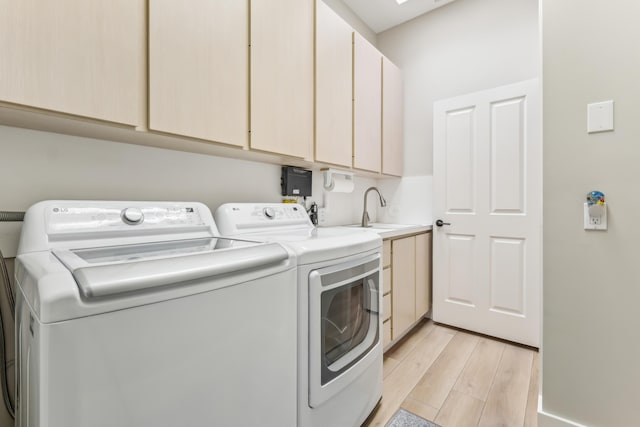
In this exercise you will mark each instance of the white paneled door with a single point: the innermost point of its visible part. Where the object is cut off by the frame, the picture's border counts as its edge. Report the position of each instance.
(487, 186)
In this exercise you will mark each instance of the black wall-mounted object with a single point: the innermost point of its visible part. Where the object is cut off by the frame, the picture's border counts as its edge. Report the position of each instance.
(296, 181)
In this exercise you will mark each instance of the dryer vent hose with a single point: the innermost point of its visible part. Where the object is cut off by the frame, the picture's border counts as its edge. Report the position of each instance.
(4, 277)
(4, 380)
(11, 216)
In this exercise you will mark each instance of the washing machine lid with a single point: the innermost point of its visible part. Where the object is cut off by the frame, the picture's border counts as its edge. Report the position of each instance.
(112, 270)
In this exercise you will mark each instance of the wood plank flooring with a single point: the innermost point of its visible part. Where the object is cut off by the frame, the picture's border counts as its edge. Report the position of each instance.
(457, 378)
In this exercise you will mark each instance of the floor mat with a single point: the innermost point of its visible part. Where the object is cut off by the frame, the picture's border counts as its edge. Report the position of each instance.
(404, 418)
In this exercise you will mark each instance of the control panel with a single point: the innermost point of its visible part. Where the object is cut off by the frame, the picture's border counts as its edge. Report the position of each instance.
(66, 218)
(235, 218)
(73, 224)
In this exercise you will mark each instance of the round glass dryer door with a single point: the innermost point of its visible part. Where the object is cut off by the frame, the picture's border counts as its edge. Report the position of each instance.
(344, 319)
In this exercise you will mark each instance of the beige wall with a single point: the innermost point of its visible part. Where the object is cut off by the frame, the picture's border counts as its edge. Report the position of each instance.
(591, 279)
(465, 46)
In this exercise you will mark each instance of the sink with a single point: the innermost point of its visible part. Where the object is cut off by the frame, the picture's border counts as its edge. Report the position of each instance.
(389, 231)
(374, 229)
(378, 226)
(386, 230)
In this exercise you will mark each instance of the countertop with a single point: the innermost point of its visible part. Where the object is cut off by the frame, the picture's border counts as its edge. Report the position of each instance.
(389, 231)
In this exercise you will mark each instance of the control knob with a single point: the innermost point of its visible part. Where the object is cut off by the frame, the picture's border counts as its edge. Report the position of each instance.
(132, 216)
(269, 213)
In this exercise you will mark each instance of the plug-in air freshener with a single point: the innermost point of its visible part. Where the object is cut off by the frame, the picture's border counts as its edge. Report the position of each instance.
(595, 211)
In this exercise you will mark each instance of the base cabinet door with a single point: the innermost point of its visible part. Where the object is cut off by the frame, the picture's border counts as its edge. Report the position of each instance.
(407, 280)
(79, 57)
(423, 274)
(386, 333)
(403, 283)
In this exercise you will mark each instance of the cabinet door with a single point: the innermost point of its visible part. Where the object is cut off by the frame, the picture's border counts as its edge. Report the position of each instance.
(282, 77)
(386, 280)
(386, 253)
(392, 119)
(403, 282)
(367, 105)
(386, 307)
(334, 84)
(199, 69)
(386, 333)
(80, 57)
(423, 274)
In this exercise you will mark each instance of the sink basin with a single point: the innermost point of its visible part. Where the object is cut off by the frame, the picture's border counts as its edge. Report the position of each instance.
(386, 230)
(374, 229)
(376, 226)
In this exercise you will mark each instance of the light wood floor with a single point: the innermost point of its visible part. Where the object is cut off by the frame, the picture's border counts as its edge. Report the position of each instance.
(456, 378)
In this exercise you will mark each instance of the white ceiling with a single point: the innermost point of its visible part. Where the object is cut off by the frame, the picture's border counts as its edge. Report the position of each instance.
(381, 15)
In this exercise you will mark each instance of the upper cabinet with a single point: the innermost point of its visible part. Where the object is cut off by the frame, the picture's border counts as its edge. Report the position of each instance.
(334, 77)
(370, 129)
(80, 57)
(282, 77)
(392, 118)
(199, 69)
(288, 78)
(367, 105)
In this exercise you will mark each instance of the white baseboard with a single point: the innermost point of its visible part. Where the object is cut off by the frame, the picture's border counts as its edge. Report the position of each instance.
(549, 420)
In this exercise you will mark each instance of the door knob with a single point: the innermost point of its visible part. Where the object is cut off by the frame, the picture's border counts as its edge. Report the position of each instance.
(440, 223)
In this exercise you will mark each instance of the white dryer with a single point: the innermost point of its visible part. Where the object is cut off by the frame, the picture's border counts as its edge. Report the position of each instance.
(136, 314)
(339, 301)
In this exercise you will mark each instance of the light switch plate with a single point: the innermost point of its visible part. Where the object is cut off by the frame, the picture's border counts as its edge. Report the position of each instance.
(600, 117)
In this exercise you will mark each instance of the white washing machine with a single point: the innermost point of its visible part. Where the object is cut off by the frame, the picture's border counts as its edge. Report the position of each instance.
(136, 314)
(339, 301)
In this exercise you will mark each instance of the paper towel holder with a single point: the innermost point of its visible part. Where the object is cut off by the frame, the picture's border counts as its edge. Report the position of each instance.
(329, 175)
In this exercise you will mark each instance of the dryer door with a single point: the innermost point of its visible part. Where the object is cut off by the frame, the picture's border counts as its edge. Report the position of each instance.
(344, 324)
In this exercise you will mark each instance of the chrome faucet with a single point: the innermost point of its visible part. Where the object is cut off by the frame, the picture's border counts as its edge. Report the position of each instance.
(365, 214)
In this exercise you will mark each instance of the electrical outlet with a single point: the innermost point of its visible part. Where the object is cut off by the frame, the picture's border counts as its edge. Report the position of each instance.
(595, 222)
(322, 212)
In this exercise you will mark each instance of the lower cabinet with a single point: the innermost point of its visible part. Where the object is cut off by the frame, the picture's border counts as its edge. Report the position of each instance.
(386, 333)
(386, 292)
(423, 274)
(403, 284)
(407, 284)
